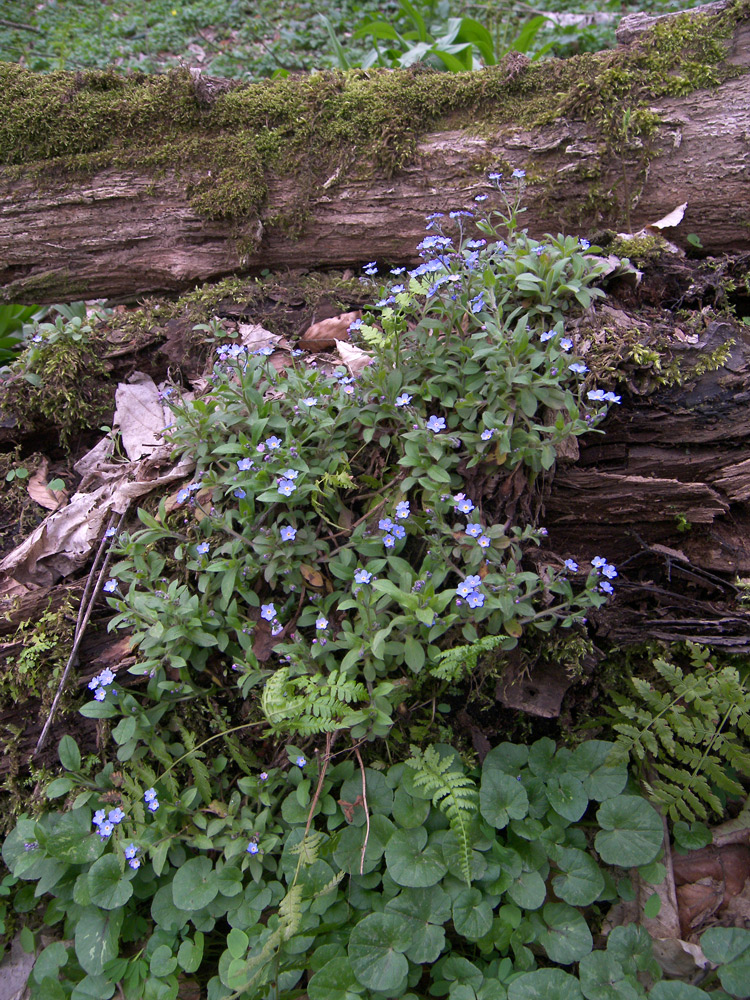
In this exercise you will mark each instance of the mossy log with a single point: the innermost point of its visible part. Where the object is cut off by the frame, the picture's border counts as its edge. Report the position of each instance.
(116, 186)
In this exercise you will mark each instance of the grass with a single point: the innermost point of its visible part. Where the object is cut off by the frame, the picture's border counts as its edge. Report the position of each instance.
(251, 39)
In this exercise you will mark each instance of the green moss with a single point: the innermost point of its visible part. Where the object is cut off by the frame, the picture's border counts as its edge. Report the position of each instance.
(641, 250)
(327, 125)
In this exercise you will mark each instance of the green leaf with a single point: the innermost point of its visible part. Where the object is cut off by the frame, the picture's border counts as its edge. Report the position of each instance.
(567, 937)
(411, 861)
(501, 798)
(729, 948)
(69, 754)
(58, 787)
(72, 840)
(589, 764)
(409, 812)
(545, 984)
(426, 911)
(653, 906)
(48, 963)
(675, 990)
(376, 951)
(93, 988)
(632, 831)
(165, 913)
(414, 654)
(582, 881)
(108, 885)
(163, 962)
(567, 797)
(190, 954)
(528, 890)
(28, 941)
(334, 981)
(96, 937)
(603, 978)
(472, 915)
(124, 730)
(98, 710)
(348, 852)
(194, 885)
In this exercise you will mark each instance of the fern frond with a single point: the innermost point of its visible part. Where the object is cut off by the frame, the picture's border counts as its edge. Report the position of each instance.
(453, 664)
(452, 792)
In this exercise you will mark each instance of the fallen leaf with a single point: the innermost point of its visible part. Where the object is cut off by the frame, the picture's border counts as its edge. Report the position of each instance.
(139, 415)
(253, 336)
(325, 333)
(355, 359)
(40, 492)
(674, 218)
(312, 576)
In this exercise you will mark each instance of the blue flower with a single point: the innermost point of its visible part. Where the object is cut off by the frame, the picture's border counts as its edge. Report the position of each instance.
(202, 549)
(566, 344)
(273, 442)
(609, 571)
(487, 433)
(286, 487)
(116, 815)
(309, 401)
(611, 397)
(130, 851)
(464, 589)
(263, 776)
(149, 795)
(436, 424)
(300, 762)
(268, 612)
(397, 270)
(134, 863)
(578, 368)
(362, 576)
(239, 493)
(398, 531)
(298, 351)
(321, 623)
(402, 509)
(518, 173)
(110, 586)
(480, 197)
(385, 524)
(290, 473)
(244, 464)
(473, 530)
(598, 561)
(110, 532)
(404, 399)
(354, 325)
(596, 395)
(182, 494)
(106, 829)
(494, 176)
(483, 542)
(252, 847)
(584, 244)
(389, 541)
(153, 805)
(475, 244)
(463, 504)
(371, 268)
(396, 289)
(547, 335)
(571, 565)
(606, 587)
(477, 303)
(475, 599)
(99, 817)
(265, 351)
(288, 533)
(100, 694)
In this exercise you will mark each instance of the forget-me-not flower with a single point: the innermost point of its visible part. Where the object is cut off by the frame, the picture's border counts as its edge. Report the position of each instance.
(110, 586)
(473, 530)
(286, 487)
(402, 509)
(436, 424)
(362, 576)
(404, 399)
(287, 533)
(268, 612)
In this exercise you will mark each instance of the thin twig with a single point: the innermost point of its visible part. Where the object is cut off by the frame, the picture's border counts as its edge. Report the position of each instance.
(367, 811)
(84, 614)
(330, 737)
(20, 27)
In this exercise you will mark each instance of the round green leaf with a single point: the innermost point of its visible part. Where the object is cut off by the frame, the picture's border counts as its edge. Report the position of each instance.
(545, 984)
(163, 962)
(379, 795)
(412, 861)
(603, 978)
(348, 853)
(108, 885)
(472, 916)
(675, 990)
(528, 890)
(567, 797)
(71, 840)
(376, 951)
(631, 831)
(692, 836)
(589, 764)
(582, 881)
(426, 910)
(190, 954)
(93, 988)
(501, 798)
(48, 963)
(194, 885)
(96, 936)
(335, 981)
(409, 812)
(507, 757)
(164, 913)
(729, 948)
(567, 937)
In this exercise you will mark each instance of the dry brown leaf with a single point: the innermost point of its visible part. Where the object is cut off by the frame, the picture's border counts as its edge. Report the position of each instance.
(672, 219)
(325, 333)
(312, 576)
(40, 492)
(139, 415)
(355, 359)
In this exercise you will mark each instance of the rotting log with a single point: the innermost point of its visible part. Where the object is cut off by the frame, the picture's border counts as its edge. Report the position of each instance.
(117, 186)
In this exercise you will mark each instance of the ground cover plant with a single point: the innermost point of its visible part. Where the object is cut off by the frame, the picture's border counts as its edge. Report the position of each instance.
(263, 824)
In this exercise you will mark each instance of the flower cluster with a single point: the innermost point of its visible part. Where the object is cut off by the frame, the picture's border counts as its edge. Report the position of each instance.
(101, 683)
(605, 569)
(105, 822)
(149, 797)
(131, 853)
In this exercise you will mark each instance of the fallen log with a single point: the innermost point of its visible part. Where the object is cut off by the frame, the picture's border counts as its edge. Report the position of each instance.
(116, 186)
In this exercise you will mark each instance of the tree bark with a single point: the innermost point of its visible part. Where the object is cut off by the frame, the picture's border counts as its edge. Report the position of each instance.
(615, 140)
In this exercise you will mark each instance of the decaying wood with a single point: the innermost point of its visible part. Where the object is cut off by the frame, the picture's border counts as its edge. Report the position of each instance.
(123, 232)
